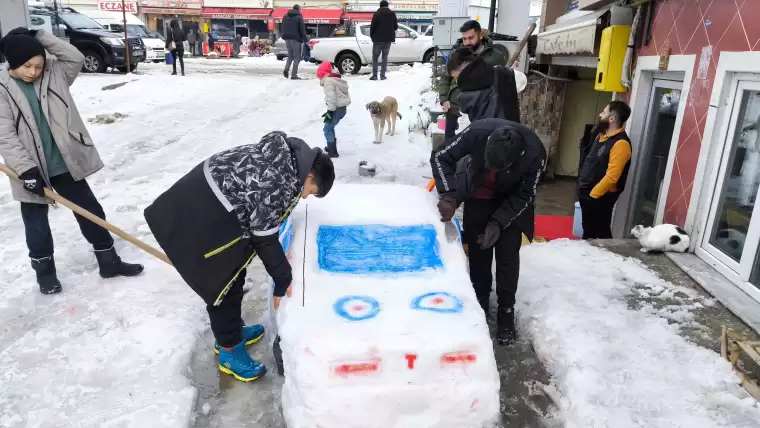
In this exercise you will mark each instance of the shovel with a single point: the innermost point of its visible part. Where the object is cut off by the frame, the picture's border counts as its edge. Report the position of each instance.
(451, 231)
(93, 218)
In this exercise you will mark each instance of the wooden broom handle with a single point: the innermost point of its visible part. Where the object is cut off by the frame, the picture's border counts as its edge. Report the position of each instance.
(93, 218)
(431, 184)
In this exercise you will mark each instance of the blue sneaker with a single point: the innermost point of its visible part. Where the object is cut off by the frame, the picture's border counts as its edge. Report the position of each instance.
(251, 334)
(238, 363)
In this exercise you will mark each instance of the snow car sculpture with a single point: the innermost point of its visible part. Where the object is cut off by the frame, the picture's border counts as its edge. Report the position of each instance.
(383, 328)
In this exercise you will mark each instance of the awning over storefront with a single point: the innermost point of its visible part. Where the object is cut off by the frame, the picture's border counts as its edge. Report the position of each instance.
(167, 11)
(235, 13)
(359, 16)
(312, 16)
(576, 37)
(171, 4)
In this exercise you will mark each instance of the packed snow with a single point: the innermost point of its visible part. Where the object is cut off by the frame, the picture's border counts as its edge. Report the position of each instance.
(385, 330)
(613, 366)
(137, 351)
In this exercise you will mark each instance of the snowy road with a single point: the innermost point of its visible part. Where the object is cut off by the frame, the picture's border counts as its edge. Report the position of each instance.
(119, 352)
(137, 352)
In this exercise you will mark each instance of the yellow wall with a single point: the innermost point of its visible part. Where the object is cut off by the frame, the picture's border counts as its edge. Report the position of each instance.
(582, 105)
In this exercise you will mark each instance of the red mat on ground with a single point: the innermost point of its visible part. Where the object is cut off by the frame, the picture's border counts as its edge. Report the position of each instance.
(554, 227)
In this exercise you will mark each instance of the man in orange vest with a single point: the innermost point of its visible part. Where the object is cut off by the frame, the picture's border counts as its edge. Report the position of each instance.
(604, 172)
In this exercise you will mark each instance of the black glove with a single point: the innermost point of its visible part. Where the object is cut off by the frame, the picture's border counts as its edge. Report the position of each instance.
(328, 116)
(490, 236)
(447, 206)
(33, 182)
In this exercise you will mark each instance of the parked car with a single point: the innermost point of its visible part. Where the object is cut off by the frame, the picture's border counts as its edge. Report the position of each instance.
(280, 49)
(100, 47)
(113, 22)
(350, 52)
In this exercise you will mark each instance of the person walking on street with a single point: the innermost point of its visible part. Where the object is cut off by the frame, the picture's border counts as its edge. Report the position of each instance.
(43, 138)
(337, 100)
(293, 31)
(448, 90)
(504, 164)
(382, 31)
(199, 44)
(602, 177)
(191, 39)
(175, 43)
(226, 211)
(210, 36)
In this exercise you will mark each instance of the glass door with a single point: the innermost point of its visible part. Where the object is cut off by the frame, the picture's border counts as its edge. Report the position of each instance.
(733, 226)
(658, 137)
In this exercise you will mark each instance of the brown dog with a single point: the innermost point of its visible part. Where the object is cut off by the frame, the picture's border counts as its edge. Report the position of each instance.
(382, 112)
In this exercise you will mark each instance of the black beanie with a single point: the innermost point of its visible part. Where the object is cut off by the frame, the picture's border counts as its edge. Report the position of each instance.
(504, 148)
(20, 48)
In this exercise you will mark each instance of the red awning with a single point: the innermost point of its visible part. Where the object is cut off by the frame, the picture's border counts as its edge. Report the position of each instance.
(359, 16)
(312, 16)
(235, 13)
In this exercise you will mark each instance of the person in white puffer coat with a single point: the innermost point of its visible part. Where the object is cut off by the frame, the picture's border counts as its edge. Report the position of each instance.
(336, 99)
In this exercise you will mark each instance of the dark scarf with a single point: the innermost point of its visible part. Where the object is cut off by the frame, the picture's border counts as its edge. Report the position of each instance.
(476, 76)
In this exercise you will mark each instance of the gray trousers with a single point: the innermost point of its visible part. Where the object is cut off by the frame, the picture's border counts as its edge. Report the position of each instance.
(294, 55)
(378, 49)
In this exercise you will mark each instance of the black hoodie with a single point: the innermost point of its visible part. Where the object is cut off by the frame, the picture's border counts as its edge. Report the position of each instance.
(292, 27)
(488, 92)
(383, 27)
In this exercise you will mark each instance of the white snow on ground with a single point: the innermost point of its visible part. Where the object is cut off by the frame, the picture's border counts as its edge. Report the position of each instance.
(614, 366)
(115, 353)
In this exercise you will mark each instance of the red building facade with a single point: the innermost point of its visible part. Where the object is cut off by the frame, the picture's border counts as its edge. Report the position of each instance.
(704, 28)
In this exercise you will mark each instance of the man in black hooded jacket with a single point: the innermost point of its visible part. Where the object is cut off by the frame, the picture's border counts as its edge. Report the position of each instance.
(497, 182)
(382, 31)
(225, 212)
(293, 31)
(486, 91)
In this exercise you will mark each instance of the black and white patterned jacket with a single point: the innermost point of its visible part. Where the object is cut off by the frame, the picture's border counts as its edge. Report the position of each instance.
(261, 181)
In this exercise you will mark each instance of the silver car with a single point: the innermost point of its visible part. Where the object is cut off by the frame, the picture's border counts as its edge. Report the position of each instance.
(280, 49)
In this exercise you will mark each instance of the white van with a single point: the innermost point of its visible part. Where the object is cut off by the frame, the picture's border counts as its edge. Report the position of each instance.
(113, 21)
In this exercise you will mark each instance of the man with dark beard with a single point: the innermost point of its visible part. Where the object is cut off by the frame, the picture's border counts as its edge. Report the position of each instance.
(602, 177)
(448, 89)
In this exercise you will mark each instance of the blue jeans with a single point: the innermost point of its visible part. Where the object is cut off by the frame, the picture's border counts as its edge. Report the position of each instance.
(329, 128)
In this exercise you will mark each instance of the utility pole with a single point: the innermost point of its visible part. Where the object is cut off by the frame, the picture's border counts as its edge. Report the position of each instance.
(492, 15)
(127, 46)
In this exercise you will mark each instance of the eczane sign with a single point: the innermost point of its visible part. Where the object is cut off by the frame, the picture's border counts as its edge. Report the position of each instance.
(117, 6)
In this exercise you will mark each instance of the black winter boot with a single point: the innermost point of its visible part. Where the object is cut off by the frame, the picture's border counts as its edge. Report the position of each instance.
(46, 276)
(111, 265)
(505, 328)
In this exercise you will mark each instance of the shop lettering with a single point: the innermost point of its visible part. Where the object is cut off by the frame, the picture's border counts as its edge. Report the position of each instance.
(568, 42)
(317, 21)
(116, 6)
(562, 43)
(235, 16)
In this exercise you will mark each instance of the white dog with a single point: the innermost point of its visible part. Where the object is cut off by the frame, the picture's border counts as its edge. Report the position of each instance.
(665, 237)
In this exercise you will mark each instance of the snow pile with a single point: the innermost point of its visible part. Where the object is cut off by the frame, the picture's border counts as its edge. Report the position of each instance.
(383, 332)
(613, 366)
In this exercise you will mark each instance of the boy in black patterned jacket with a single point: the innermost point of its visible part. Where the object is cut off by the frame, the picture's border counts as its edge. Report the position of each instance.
(222, 214)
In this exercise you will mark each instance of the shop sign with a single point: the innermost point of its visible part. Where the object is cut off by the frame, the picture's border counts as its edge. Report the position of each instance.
(568, 41)
(318, 21)
(117, 6)
(371, 7)
(414, 16)
(171, 4)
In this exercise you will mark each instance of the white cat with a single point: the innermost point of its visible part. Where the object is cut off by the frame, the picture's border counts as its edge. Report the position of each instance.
(664, 237)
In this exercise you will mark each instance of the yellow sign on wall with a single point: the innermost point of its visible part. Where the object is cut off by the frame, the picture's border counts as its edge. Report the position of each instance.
(205, 28)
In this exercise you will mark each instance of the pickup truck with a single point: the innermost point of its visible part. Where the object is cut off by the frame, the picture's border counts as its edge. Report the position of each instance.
(350, 52)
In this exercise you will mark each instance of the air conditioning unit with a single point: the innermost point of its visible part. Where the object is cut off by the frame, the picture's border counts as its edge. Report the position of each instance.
(446, 30)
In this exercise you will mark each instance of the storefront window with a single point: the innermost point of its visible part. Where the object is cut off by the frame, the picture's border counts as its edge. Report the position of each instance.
(225, 28)
(737, 198)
